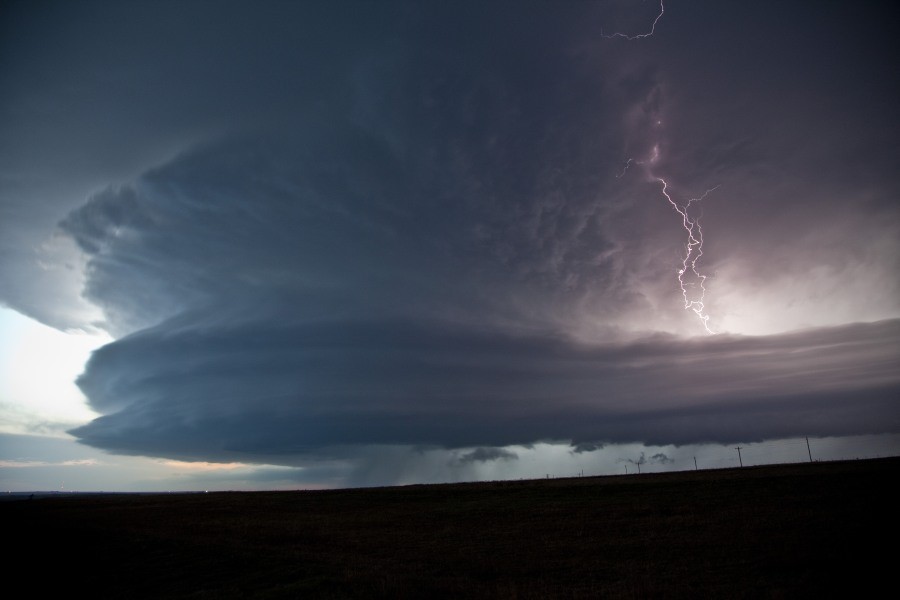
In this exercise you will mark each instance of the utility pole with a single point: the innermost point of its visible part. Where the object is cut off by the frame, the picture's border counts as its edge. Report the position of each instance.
(807, 449)
(738, 448)
(695, 464)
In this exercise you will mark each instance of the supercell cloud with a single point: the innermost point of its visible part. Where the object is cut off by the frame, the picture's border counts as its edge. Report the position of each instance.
(407, 225)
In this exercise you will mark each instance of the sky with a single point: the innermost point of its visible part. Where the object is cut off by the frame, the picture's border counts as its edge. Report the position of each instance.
(278, 245)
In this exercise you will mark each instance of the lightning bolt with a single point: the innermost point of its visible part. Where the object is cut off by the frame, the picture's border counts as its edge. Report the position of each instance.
(690, 279)
(693, 252)
(625, 168)
(662, 10)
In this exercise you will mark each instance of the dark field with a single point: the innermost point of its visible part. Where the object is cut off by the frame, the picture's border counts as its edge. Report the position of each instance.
(787, 531)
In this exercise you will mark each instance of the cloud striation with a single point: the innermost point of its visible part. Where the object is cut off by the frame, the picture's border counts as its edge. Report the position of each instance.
(410, 227)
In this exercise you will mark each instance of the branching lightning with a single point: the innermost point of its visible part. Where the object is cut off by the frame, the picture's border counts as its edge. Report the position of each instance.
(693, 252)
(662, 10)
(690, 279)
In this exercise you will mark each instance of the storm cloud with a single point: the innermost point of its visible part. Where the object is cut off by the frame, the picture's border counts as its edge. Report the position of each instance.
(279, 312)
(268, 394)
(316, 230)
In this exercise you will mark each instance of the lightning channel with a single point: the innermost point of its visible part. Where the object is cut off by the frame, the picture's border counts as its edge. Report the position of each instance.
(625, 168)
(691, 280)
(662, 10)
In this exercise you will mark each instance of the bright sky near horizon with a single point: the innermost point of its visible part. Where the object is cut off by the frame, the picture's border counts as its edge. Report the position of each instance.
(327, 244)
(38, 368)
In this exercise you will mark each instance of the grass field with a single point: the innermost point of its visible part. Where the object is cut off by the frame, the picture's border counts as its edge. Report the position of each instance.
(819, 530)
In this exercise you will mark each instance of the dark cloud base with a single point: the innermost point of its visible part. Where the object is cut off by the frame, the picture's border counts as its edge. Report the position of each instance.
(310, 390)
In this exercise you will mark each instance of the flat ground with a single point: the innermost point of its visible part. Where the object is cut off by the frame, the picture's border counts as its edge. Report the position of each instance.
(820, 530)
